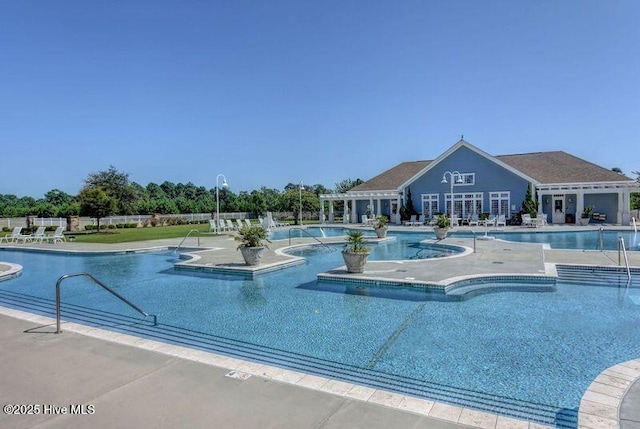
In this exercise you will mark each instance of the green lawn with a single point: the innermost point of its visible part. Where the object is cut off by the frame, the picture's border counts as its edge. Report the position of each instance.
(124, 235)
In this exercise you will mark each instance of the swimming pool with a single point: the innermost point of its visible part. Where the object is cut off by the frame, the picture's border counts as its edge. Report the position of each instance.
(584, 240)
(530, 353)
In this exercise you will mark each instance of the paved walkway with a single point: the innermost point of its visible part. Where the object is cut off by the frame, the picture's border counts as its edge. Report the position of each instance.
(120, 386)
(132, 387)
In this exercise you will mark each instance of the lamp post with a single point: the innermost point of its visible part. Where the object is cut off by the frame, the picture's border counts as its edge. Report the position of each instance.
(300, 188)
(224, 185)
(455, 178)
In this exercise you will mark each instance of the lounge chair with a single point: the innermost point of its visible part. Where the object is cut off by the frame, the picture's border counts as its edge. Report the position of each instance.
(527, 221)
(240, 224)
(213, 227)
(454, 220)
(502, 220)
(230, 225)
(56, 237)
(222, 226)
(418, 222)
(411, 220)
(247, 222)
(474, 220)
(38, 236)
(15, 234)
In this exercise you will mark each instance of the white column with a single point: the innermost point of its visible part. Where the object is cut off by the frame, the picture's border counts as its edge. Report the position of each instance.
(379, 207)
(345, 216)
(579, 204)
(624, 196)
(399, 204)
(539, 201)
(330, 211)
(354, 212)
(321, 210)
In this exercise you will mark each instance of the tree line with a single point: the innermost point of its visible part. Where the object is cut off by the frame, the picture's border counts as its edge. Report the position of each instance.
(110, 192)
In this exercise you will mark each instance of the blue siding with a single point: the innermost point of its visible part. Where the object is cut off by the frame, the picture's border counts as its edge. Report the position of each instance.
(490, 177)
(604, 203)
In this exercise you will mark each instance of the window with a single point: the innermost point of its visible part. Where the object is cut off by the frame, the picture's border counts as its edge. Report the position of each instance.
(499, 203)
(464, 205)
(465, 179)
(429, 205)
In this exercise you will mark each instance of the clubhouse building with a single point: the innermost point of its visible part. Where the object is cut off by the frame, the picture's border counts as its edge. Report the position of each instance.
(474, 182)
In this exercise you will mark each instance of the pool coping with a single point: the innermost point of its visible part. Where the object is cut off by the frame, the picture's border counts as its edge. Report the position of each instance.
(600, 405)
(437, 410)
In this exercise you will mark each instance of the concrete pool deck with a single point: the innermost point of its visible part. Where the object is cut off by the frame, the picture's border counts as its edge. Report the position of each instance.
(34, 377)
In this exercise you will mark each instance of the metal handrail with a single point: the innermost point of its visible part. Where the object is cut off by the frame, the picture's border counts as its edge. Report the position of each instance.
(635, 226)
(601, 239)
(185, 237)
(623, 250)
(474, 236)
(104, 286)
(306, 232)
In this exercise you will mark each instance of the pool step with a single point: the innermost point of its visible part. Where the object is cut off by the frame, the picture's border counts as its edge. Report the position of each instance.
(598, 276)
(542, 413)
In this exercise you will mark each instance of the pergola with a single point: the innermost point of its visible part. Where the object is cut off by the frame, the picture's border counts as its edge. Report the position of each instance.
(375, 199)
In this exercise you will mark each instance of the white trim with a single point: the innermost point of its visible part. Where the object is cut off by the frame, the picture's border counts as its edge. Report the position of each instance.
(469, 146)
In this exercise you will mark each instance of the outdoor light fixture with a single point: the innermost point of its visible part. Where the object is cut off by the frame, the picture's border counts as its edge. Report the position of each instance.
(225, 185)
(456, 179)
(301, 188)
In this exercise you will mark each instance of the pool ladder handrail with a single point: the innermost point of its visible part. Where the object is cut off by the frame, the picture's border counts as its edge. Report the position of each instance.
(635, 225)
(104, 286)
(306, 232)
(601, 239)
(623, 251)
(187, 236)
(466, 229)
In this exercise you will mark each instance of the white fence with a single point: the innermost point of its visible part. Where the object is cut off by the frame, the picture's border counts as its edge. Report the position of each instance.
(139, 219)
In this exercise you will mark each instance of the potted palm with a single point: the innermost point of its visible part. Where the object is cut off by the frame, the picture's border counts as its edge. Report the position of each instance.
(442, 226)
(251, 244)
(355, 252)
(586, 215)
(380, 226)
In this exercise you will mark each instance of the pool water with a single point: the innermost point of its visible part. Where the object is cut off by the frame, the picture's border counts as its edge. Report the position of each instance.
(584, 240)
(539, 348)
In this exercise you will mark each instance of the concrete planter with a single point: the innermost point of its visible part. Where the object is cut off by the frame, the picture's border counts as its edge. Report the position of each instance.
(355, 261)
(441, 233)
(381, 232)
(252, 255)
(582, 221)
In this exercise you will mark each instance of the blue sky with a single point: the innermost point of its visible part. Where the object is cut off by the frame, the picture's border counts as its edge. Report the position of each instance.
(272, 92)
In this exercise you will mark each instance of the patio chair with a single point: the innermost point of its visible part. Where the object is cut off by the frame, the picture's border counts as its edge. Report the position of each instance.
(502, 220)
(240, 224)
(56, 237)
(454, 220)
(15, 234)
(230, 225)
(411, 220)
(247, 222)
(527, 221)
(222, 225)
(419, 221)
(213, 227)
(39, 235)
(474, 220)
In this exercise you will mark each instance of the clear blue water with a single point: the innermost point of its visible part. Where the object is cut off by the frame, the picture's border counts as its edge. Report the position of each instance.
(584, 240)
(536, 347)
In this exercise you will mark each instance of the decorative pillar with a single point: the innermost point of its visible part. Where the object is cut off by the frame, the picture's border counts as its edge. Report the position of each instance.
(330, 211)
(399, 205)
(345, 216)
(321, 210)
(379, 207)
(354, 212)
(579, 204)
(539, 202)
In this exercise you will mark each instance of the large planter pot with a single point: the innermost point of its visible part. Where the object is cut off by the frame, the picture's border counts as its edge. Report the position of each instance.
(583, 221)
(252, 255)
(381, 232)
(441, 233)
(355, 261)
